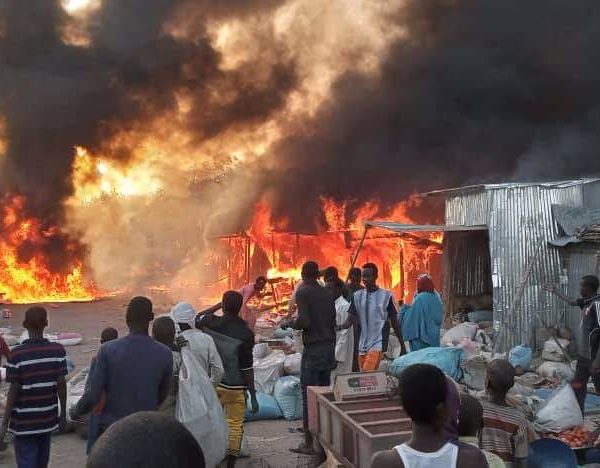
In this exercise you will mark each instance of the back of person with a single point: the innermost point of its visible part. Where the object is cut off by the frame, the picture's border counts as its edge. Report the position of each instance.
(446, 456)
(203, 349)
(320, 306)
(135, 366)
(504, 432)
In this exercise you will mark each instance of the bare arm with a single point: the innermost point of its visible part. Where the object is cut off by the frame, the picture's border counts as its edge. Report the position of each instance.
(11, 399)
(395, 323)
(303, 320)
(97, 378)
(554, 289)
(210, 310)
(61, 388)
(351, 320)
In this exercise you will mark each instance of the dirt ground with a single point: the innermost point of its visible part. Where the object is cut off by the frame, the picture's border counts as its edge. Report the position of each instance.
(269, 441)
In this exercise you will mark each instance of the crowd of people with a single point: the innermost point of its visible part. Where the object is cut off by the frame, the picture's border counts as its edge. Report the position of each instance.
(138, 384)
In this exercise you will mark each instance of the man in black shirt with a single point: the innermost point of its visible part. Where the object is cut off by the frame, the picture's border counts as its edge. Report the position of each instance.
(239, 370)
(316, 319)
(588, 362)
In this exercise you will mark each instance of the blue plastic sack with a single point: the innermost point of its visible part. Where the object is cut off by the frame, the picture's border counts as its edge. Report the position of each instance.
(288, 394)
(267, 408)
(520, 356)
(283, 333)
(446, 359)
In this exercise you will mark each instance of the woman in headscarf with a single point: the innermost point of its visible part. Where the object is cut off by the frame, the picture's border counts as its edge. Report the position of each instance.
(422, 321)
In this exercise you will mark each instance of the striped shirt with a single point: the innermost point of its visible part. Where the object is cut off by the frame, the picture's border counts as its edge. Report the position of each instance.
(504, 432)
(36, 365)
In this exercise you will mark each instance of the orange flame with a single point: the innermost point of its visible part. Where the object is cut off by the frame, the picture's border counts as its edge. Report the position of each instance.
(32, 280)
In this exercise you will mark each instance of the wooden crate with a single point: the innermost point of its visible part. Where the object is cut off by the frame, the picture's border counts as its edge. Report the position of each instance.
(355, 430)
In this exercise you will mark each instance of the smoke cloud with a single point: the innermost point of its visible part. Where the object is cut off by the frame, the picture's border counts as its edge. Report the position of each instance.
(220, 103)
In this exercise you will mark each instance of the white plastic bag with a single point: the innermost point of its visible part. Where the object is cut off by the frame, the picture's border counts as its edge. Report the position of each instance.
(267, 370)
(560, 370)
(260, 350)
(561, 412)
(200, 411)
(456, 334)
(552, 351)
(292, 364)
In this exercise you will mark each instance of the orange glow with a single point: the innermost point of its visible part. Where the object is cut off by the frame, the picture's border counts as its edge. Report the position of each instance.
(400, 258)
(28, 280)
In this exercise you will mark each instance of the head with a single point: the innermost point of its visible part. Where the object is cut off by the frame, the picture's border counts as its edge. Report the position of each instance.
(184, 316)
(108, 334)
(500, 378)
(369, 275)
(163, 331)
(425, 284)
(423, 393)
(232, 303)
(336, 286)
(139, 314)
(470, 417)
(149, 439)
(310, 271)
(589, 286)
(330, 273)
(260, 283)
(354, 276)
(36, 319)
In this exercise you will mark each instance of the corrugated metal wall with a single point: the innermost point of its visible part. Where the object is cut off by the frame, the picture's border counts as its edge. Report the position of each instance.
(468, 263)
(469, 209)
(591, 195)
(520, 223)
(520, 226)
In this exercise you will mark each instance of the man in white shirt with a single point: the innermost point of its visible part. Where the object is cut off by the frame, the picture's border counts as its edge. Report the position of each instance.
(344, 343)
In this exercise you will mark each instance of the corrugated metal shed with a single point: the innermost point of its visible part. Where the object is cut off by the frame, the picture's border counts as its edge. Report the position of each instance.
(520, 225)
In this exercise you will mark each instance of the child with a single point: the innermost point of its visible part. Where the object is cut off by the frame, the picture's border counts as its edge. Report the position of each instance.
(470, 424)
(84, 405)
(36, 372)
(163, 331)
(423, 392)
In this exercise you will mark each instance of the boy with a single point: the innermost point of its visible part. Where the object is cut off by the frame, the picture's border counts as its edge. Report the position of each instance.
(470, 425)
(36, 372)
(423, 392)
(163, 331)
(505, 431)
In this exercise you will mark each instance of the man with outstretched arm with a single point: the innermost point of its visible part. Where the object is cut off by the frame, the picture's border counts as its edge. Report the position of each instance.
(373, 308)
(588, 362)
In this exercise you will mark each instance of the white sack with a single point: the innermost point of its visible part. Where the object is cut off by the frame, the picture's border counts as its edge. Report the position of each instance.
(292, 364)
(561, 412)
(552, 352)
(267, 370)
(560, 370)
(456, 334)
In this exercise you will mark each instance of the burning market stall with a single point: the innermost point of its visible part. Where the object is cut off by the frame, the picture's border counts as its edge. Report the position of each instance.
(498, 252)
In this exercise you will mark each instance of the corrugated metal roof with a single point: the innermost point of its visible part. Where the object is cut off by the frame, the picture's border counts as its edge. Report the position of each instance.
(399, 227)
(509, 185)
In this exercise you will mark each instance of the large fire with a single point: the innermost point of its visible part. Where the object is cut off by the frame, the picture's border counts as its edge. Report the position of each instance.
(25, 273)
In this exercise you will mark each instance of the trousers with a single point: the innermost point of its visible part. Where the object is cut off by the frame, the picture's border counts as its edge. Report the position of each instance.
(583, 372)
(370, 361)
(234, 406)
(32, 451)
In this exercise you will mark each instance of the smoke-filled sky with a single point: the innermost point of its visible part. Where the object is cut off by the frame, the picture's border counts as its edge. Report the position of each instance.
(355, 99)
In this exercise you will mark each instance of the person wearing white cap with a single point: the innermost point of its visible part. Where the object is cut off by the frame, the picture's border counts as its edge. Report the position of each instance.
(201, 346)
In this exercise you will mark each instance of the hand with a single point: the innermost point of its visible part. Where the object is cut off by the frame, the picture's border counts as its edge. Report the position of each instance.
(254, 403)
(551, 288)
(403, 351)
(180, 342)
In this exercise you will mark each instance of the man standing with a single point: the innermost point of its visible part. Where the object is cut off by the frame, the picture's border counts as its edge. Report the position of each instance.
(36, 372)
(353, 284)
(588, 362)
(373, 308)
(344, 342)
(239, 369)
(316, 319)
(134, 372)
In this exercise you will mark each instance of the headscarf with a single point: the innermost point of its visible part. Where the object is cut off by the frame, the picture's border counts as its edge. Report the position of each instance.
(425, 284)
(183, 312)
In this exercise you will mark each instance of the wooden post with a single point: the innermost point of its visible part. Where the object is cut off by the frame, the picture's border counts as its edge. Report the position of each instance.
(402, 280)
(362, 241)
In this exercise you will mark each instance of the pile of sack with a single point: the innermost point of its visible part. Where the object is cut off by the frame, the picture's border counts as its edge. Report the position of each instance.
(554, 365)
(277, 382)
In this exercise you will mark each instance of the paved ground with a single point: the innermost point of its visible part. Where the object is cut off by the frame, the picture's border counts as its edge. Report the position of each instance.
(269, 441)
